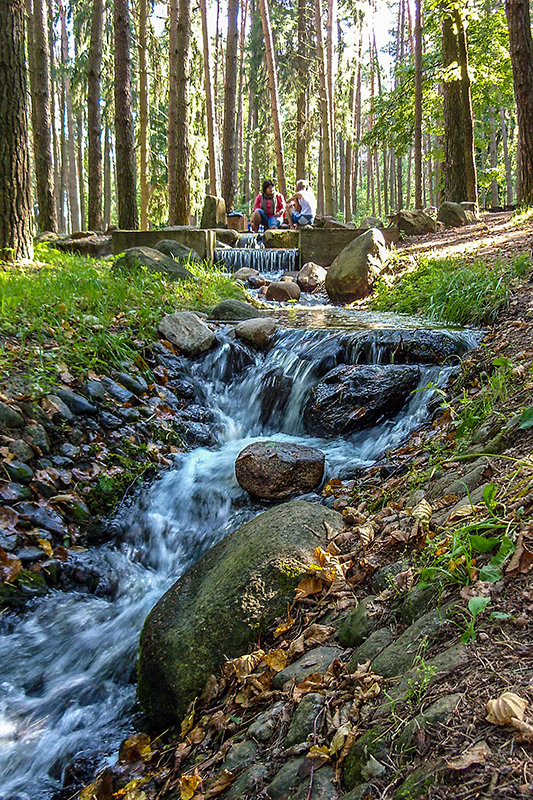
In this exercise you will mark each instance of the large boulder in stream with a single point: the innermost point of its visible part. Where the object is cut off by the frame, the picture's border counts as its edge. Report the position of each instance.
(283, 290)
(350, 398)
(352, 274)
(311, 277)
(154, 261)
(187, 331)
(277, 470)
(257, 332)
(244, 273)
(221, 604)
(231, 310)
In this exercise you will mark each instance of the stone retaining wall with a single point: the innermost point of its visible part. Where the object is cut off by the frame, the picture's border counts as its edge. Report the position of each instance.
(199, 239)
(323, 245)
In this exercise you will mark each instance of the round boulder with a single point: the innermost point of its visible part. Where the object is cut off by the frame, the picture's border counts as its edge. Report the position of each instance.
(452, 214)
(350, 398)
(257, 332)
(223, 602)
(414, 222)
(244, 273)
(355, 269)
(311, 276)
(282, 291)
(178, 251)
(187, 331)
(154, 261)
(277, 470)
(234, 310)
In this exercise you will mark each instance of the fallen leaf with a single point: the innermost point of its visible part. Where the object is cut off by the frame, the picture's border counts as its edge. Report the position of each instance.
(463, 512)
(422, 511)
(188, 723)
(321, 752)
(366, 534)
(218, 783)
(307, 587)
(244, 665)
(524, 728)
(506, 707)
(46, 547)
(9, 566)
(188, 785)
(522, 559)
(8, 518)
(477, 754)
(135, 748)
(339, 738)
(277, 660)
(317, 634)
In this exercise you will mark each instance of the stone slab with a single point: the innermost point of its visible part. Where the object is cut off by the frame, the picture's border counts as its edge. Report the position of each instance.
(323, 245)
(199, 239)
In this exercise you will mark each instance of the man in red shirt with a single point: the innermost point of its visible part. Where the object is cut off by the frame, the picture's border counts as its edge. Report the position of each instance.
(269, 208)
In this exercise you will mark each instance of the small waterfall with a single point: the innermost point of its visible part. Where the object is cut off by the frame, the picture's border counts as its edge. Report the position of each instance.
(263, 260)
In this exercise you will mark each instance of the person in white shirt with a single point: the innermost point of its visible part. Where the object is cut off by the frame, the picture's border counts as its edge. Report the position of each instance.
(301, 207)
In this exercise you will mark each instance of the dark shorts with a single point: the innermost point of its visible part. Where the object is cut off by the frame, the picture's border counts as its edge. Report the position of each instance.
(268, 222)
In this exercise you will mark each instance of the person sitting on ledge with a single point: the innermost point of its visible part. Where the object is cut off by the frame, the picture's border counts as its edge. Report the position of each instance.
(269, 208)
(301, 207)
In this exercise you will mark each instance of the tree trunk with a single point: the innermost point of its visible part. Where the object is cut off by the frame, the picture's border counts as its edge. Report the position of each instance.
(230, 105)
(330, 21)
(72, 165)
(418, 104)
(144, 119)
(494, 194)
(506, 159)
(521, 47)
(302, 74)
(15, 190)
(209, 103)
(81, 166)
(454, 151)
(124, 142)
(39, 65)
(342, 170)
(94, 122)
(107, 178)
(468, 113)
(325, 113)
(246, 189)
(240, 93)
(64, 161)
(274, 94)
(348, 162)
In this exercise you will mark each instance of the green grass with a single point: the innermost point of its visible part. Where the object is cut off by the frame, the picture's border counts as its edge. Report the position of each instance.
(450, 290)
(522, 215)
(66, 311)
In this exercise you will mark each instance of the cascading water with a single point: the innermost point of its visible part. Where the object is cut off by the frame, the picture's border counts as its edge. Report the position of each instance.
(264, 260)
(67, 666)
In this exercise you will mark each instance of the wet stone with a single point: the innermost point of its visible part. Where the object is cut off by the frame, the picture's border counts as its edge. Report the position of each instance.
(240, 754)
(9, 417)
(29, 555)
(307, 717)
(136, 385)
(13, 492)
(43, 518)
(263, 727)
(43, 488)
(76, 402)
(8, 541)
(116, 391)
(286, 780)
(129, 414)
(96, 390)
(22, 450)
(17, 471)
(248, 782)
(317, 660)
(109, 421)
(58, 410)
(69, 450)
(36, 435)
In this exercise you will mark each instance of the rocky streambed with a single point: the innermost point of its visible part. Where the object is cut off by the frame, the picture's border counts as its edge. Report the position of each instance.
(69, 694)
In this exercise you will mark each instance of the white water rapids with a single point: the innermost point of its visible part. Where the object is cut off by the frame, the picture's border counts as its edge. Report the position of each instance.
(67, 665)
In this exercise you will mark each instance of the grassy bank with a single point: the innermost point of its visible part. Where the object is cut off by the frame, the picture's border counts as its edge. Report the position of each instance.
(66, 311)
(452, 290)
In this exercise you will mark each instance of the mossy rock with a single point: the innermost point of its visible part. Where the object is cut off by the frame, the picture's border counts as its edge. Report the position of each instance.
(154, 261)
(358, 624)
(284, 239)
(220, 605)
(230, 310)
(26, 586)
(418, 782)
(372, 744)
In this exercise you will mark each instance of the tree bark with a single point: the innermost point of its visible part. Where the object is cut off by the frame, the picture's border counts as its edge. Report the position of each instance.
(506, 159)
(324, 113)
(107, 178)
(81, 165)
(124, 143)
(468, 113)
(274, 94)
(521, 48)
(94, 122)
(73, 195)
(15, 190)
(302, 82)
(209, 103)
(144, 119)
(230, 106)
(418, 104)
(494, 193)
(39, 64)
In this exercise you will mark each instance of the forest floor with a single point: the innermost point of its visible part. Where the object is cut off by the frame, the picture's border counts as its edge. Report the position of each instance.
(437, 545)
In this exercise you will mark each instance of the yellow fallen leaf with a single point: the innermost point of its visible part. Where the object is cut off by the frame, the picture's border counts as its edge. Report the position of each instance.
(277, 660)
(188, 785)
(422, 511)
(45, 546)
(244, 665)
(366, 534)
(503, 709)
(307, 587)
(218, 783)
(281, 629)
(319, 752)
(463, 512)
(339, 738)
(188, 722)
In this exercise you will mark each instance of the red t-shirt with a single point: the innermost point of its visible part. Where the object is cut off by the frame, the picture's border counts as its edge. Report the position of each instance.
(280, 205)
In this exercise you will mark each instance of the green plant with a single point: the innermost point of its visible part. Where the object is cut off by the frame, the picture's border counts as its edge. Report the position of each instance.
(418, 685)
(476, 606)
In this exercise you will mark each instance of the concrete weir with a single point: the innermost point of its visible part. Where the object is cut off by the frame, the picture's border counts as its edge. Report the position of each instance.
(200, 239)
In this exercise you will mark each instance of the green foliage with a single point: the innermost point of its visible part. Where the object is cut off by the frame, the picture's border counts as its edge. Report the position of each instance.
(476, 606)
(66, 311)
(450, 290)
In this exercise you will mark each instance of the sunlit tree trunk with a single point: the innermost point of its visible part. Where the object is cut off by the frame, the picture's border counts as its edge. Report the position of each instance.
(209, 103)
(274, 94)
(178, 118)
(124, 141)
(325, 115)
(468, 113)
(107, 178)
(302, 74)
(94, 123)
(418, 104)
(494, 194)
(230, 106)
(521, 48)
(144, 138)
(15, 192)
(72, 165)
(81, 165)
(330, 27)
(506, 159)
(39, 66)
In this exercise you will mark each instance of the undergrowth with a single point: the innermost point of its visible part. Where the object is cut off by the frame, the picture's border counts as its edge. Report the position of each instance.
(451, 290)
(67, 311)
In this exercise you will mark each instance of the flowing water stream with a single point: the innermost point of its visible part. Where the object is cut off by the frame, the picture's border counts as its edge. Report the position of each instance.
(67, 665)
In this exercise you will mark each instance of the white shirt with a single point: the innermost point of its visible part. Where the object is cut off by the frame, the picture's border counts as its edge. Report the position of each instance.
(307, 202)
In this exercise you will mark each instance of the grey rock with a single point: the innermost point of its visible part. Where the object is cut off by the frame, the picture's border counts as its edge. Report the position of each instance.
(311, 277)
(308, 716)
(227, 237)
(257, 332)
(187, 331)
(244, 273)
(371, 746)
(43, 518)
(29, 555)
(223, 601)
(109, 421)
(439, 712)
(22, 450)
(96, 390)
(416, 602)
(452, 214)
(359, 623)
(376, 642)
(9, 417)
(117, 392)
(240, 754)
(264, 726)
(36, 435)
(382, 577)
(284, 238)
(248, 783)
(317, 660)
(275, 391)
(287, 780)
(214, 212)
(179, 252)
(13, 492)
(371, 222)
(323, 786)
(137, 385)
(398, 657)
(76, 402)
(153, 261)
(69, 450)
(277, 470)
(351, 398)
(18, 471)
(413, 222)
(437, 668)
(365, 791)
(230, 310)
(283, 291)
(352, 274)
(418, 782)
(57, 408)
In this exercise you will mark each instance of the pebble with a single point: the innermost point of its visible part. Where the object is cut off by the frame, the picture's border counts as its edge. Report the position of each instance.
(76, 402)
(17, 471)
(9, 417)
(136, 385)
(118, 392)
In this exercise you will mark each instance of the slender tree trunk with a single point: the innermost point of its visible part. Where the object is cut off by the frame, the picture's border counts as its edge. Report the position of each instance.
(255, 160)
(357, 126)
(408, 189)
(399, 179)
(144, 118)
(72, 165)
(348, 163)
(506, 159)
(39, 65)
(64, 161)
(107, 178)
(246, 191)
(320, 177)
(81, 166)
(454, 150)
(342, 170)
(94, 122)
(330, 25)
(209, 103)
(468, 113)
(274, 94)
(521, 48)
(230, 105)
(240, 93)
(15, 190)
(418, 104)
(302, 73)
(325, 113)
(124, 141)
(56, 113)
(483, 190)
(494, 194)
